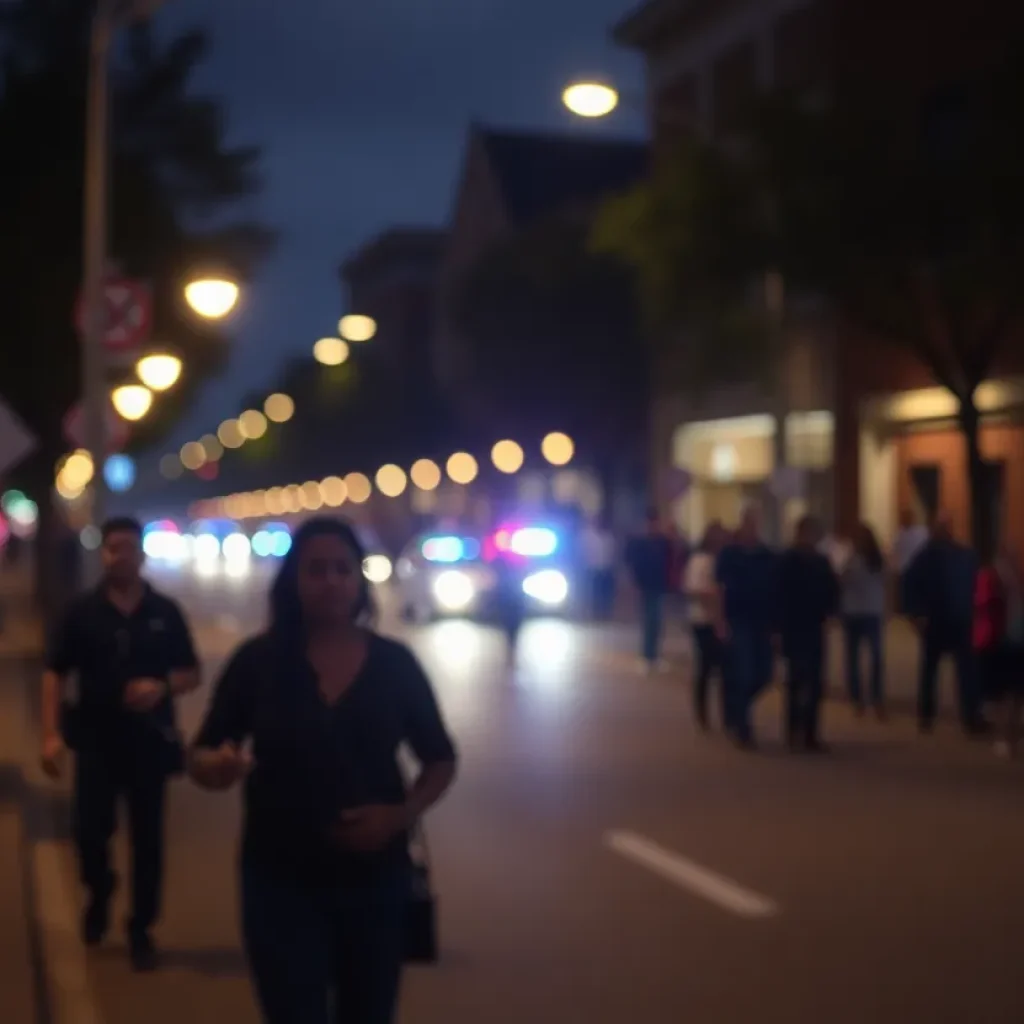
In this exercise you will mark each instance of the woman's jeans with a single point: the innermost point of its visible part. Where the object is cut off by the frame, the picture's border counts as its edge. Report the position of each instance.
(709, 661)
(321, 955)
(863, 630)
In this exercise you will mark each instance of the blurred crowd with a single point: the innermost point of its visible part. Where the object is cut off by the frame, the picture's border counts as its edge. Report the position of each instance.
(750, 605)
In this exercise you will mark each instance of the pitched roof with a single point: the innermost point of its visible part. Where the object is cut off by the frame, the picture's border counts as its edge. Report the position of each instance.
(540, 173)
(647, 23)
(421, 244)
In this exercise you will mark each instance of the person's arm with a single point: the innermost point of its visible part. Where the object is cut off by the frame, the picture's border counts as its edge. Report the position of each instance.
(216, 760)
(429, 740)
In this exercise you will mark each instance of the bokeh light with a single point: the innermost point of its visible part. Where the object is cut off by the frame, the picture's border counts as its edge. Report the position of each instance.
(558, 449)
(212, 298)
(159, 371)
(279, 408)
(311, 496)
(192, 455)
(132, 401)
(171, 467)
(334, 491)
(212, 448)
(252, 424)
(391, 480)
(356, 327)
(276, 504)
(119, 473)
(426, 475)
(462, 468)
(507, 457)
(229, 433)
(590, 99)
(358, 488)
(330, 351)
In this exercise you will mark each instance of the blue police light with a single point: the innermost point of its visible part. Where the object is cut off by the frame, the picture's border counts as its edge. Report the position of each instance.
(263, 544)
(282, 543)
(443, 549)
(119, 473)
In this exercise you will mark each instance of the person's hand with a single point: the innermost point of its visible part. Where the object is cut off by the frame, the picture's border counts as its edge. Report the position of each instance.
(370, 829)
(223, 767)
(142, 695)
(52, 756)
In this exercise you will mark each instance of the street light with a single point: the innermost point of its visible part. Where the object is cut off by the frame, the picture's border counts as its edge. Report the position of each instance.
(357, 327)
(590, 99)
(159, 372)
(330, 351)
(212, 298)
(132, 401)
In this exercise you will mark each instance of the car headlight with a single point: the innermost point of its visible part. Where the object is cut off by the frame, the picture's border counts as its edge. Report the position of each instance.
(548, 587)
(454, 591)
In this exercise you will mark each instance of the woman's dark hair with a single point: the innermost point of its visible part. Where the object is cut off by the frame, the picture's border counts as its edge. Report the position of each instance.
(868, 548)
(287, 623)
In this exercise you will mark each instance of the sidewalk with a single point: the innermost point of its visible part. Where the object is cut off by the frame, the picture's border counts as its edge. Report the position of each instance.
(18, 961)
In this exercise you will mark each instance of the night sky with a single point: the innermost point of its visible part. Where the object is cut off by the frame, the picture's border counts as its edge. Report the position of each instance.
(362, 108)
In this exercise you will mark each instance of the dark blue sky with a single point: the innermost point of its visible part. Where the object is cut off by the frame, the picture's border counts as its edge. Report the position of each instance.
(362, 108)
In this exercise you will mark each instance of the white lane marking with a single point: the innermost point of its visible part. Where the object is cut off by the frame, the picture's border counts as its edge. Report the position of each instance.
(63, 956)
(700, 881)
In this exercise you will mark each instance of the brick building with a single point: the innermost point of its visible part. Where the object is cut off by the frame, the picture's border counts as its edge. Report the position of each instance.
(870, 430)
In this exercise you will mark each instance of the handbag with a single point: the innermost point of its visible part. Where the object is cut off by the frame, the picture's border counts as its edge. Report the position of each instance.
(421, 942)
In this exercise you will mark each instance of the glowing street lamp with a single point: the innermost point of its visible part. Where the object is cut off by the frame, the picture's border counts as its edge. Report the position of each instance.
(159, 372)
(507, 457)
(212, 298)
(558, 449)
(279, 408)
(132, 401)
(591, 100)
(462, 468)
(330, 351)
(356, 327)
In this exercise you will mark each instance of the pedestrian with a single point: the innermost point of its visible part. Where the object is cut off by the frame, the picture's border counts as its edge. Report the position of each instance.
(510, 600)
(911, 537)
(649, 558)
(133, 655)
(999, 645)
(939, 594)
(863, 609)
(808, 598)
(326, 702)
(598, 545)
(705, 615)
(747, 576)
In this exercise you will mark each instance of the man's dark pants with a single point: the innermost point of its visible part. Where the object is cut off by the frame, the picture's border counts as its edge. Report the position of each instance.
(749, 661)
(938, 640)
(106, 770)
(805, 653)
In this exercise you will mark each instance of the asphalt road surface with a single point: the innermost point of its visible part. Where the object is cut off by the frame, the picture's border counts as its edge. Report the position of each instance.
(601, 863)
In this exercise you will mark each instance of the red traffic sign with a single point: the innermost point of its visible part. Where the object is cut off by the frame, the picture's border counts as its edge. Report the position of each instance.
(128, 314)
(118, 430)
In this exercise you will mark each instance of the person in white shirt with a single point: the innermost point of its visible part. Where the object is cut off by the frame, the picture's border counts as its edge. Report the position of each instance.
(910, 538)
(598, 548)
(702, 590)
(863, 608)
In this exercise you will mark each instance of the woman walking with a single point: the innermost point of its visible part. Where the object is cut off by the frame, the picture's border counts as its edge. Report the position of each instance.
(325, 867)
(863, 611)
(705, 614)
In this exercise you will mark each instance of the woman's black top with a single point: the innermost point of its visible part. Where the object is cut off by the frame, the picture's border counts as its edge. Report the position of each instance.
(314, 760)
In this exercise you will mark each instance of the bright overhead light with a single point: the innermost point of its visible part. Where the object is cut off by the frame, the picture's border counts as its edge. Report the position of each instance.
(507, 457)
(426, 474)
(132, 401)
(279, 408)
(558, 449)
(330, 351)
(462, 468)
(212, 298)
(590, 99)
(159, 372)
(357, 327)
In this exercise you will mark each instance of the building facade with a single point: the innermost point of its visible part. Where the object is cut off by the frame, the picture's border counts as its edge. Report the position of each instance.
(869, 434)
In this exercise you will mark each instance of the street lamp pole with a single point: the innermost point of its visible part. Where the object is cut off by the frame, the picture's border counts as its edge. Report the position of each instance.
(94, 256)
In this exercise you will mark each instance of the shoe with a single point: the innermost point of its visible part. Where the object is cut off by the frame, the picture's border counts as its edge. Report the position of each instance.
(143, 953)
(95, 921)
(816, 747)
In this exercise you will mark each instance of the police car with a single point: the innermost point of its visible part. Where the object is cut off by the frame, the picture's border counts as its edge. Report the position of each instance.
(442, 575)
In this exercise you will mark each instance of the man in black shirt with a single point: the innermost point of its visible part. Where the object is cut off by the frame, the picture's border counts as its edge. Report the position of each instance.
(132, 654)
(649, 558)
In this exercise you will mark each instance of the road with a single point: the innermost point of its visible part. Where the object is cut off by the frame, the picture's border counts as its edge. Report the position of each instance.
(601, 863)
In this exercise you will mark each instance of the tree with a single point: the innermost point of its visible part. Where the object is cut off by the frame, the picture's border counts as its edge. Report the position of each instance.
(174, 177)
(913, 233)
(554, 343)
